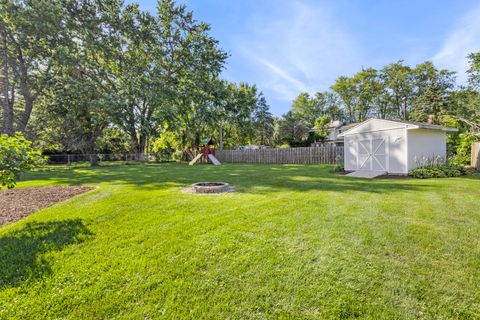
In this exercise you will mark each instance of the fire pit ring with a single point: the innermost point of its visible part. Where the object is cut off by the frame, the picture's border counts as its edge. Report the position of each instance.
(211, 187)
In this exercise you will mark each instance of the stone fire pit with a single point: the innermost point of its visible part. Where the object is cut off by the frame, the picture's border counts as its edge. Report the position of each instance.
(210, 187)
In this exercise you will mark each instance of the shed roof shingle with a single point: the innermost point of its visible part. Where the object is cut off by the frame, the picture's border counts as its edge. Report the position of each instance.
(415, 125)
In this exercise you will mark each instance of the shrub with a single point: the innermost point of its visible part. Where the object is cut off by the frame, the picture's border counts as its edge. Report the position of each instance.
(16, 156)
(464, 148)
(177, 155)
(339, 167)
(438, 171)
(339, 164)
(168, 146)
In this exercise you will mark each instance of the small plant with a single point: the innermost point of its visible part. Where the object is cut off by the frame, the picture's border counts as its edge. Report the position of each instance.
(16, 156)
(176, 155)
(446, 170)
(339, 168)
(430, 161)
(339, 164)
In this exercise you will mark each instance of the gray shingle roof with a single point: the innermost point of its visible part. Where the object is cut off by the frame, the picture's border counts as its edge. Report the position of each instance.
(424, 125)
(415, 125)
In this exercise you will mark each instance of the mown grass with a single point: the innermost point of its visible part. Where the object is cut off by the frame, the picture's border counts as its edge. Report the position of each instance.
(293, 242)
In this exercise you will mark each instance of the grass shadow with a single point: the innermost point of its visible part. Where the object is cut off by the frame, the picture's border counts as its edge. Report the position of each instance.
(22, 252)
(247, 178)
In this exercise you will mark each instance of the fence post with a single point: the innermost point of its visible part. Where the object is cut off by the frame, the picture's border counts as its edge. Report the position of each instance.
(475, 160)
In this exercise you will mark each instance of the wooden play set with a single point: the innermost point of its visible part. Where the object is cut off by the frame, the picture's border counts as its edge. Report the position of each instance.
(206, 153)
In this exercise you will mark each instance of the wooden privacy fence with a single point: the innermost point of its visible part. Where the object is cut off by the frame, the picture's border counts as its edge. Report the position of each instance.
(326, 154)
(476, 155)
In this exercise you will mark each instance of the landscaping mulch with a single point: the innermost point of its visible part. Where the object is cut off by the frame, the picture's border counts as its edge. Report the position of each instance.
(393, 176)
(16, 204)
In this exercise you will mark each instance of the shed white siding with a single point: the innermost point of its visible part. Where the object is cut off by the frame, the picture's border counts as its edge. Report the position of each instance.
(425, 144)
(375, 125)
(392, 146)
(395, 149)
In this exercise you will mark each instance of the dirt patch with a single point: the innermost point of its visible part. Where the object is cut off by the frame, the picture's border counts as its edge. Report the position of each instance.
(16, 204)
(392, 176)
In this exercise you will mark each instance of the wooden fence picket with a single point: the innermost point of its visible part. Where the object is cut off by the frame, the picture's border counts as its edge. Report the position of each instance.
(323, 154)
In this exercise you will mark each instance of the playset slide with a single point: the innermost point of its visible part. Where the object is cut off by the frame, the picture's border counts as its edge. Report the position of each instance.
(214, 160)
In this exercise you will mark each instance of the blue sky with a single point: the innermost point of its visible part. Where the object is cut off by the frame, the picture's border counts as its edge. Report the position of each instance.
(289, 46)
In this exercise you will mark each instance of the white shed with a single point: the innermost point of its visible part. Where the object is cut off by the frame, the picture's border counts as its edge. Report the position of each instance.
(392, 146)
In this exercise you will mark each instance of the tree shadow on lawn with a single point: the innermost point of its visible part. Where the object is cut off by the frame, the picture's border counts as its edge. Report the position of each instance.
(246, 178)
(22, 252)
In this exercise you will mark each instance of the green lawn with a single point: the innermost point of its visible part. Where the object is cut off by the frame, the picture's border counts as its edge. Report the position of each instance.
(293, 242)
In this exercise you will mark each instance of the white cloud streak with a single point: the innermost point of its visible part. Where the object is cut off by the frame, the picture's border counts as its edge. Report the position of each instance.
(461, 41)
(299, 48)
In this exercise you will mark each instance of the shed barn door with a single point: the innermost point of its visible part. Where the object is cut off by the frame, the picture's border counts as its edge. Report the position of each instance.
(372, 154)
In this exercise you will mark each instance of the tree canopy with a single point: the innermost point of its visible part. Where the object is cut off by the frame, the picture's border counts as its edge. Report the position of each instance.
(74, 70)
(93, 76)
(421, 93)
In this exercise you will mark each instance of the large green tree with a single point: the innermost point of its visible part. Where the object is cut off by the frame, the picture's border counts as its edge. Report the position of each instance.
(263, 121)
(465, 102)
(292, 130)
(79, 95)
(359, 94)
(307, 107)
(150, 63)
(432, 89)
(78, 67)
(346, 89)
(399, 85)
(33, 35)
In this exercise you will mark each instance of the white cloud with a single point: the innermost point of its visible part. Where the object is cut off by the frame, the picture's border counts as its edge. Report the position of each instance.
(285, 85)
(297, 47)
(462, 40)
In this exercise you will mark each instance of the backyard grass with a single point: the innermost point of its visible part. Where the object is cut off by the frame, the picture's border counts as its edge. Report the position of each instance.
(293, 241)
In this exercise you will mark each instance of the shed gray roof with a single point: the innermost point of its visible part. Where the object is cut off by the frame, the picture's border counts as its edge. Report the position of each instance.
(424, 125)
(409, 124)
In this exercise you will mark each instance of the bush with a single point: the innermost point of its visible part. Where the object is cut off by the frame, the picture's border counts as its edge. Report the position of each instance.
(438, 171)
(339, 164)
(339, 167)
(177, 155)
(464, 148)
(16, 156)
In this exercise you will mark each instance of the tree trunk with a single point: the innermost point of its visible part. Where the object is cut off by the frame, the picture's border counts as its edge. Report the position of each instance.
(7, 106)
(139, 147)
(22, 124)
(93, 160)
(140, 155)
(91, 150)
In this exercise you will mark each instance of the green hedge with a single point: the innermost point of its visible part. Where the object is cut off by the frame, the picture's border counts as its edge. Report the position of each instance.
(438, 171)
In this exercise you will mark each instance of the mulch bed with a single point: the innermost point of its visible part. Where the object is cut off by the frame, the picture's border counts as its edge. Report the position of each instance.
(393, 176)
(16, 204)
